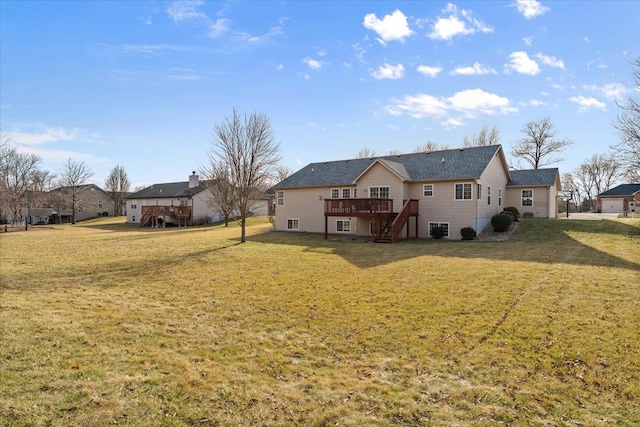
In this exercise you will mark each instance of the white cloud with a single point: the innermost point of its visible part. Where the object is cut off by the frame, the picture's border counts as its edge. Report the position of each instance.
(521, 63)
(47, 135)
(476, 69)
(257, 40)
(392, 27)
(531, 8)
(611, 91)
(314, 64)
(150, 48)
(550, 60)
(587, 103)
(535, 103)
(313, 124)
(280, 67)
(452, 122)
(219, 27)
(465, 104)
(459, 22)
(473, 100)
(388, 71)
(429, 71)
(185, 10)
(322, 53)
(528, 40)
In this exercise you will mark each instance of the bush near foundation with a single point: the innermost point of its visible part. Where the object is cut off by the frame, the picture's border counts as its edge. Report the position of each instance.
(501, 222)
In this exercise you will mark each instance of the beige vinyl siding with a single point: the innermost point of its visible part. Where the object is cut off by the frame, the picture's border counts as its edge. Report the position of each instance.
(442, 207)
(377, 176)
(307, 204)
(544, 201)
(494, 176)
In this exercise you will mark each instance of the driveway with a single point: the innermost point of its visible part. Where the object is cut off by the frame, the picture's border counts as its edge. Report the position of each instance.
(588, 216)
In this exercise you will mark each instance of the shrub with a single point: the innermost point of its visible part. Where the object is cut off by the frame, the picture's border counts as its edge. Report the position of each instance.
(468, 233)
(514, 211)
(501, 222)
(437, 232)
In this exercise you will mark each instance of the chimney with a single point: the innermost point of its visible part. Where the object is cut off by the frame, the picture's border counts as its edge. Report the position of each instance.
(194, 180)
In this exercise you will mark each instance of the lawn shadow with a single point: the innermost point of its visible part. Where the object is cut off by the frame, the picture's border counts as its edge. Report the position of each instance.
(540, 241)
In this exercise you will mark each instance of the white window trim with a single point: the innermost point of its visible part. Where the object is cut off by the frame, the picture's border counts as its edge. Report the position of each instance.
(342, 190)
(336, 190)
(293, 219)
(479, 191)
(499, 196)
(439, 224)
(278, 198)
(343, 221)
(379, 187)
(522, 198)
(489, 195)
(463, 184)
(424, 190)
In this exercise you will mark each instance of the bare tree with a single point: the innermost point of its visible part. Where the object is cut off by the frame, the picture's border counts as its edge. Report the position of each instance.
(584, 181)
(246, 148)
(540, 147)
(604, 169)
(20, 177)
(430, 146)
(569, 186)
(221, 188)
(282, 173)
(117, 185)
(484, 138)
(628, 126)
(365, 153)
(394, 153)
(73, 177)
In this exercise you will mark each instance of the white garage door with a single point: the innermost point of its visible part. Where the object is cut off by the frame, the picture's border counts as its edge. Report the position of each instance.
(612, 205)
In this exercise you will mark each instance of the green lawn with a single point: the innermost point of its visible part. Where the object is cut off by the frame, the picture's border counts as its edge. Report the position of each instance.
(104, 323)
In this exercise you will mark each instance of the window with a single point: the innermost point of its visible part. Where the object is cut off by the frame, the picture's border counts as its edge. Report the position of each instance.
(354, 193)
(293, 224)
(499, 196)
(427, 190)
(346, 193)
(343, 226)
(381, 192)
(479, 191)
(100, 204)
(280, 197)
(488, 195)
(335, 193)
(463, 191)
(134, 206)
(527, 197)
(444, 225)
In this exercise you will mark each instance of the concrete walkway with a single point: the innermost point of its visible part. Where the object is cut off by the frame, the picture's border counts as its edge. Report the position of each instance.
(592, 216)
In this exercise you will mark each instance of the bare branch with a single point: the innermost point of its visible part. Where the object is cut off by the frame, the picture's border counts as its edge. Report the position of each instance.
(540, 148)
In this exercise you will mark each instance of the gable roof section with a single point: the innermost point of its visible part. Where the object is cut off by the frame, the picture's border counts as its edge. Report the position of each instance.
(534, 177)
(80, 188)
(167, 190)
(621, 190)
(462, 163)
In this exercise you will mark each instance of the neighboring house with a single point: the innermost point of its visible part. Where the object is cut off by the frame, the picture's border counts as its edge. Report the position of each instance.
(411, 194)
(621, 199)
(91, 202)
(178, 203)
(534, 192)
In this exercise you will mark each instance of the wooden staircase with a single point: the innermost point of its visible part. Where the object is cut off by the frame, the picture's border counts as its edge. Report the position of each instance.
(385, 236)
(392, 228)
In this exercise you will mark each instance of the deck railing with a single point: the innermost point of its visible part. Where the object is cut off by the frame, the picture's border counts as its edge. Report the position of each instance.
(357, 206)
(410, 208)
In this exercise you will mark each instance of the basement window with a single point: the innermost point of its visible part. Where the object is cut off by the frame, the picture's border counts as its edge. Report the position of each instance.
(444, 225)
(293, 223)
(343, 226)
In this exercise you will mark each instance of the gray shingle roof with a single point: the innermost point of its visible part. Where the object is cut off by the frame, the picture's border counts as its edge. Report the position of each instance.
(622, 190)
(533, 177)
(167, 190)
(462, 163)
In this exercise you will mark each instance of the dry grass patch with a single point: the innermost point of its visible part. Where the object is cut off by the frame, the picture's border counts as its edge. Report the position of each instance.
(105, 323)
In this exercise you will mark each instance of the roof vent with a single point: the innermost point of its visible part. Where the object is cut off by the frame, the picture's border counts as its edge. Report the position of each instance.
(443, 160)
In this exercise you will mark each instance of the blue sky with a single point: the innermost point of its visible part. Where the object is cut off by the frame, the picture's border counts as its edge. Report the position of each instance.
(142, 84)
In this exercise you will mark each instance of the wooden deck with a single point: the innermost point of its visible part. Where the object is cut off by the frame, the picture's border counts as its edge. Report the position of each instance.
(385, 223)
(181, 213)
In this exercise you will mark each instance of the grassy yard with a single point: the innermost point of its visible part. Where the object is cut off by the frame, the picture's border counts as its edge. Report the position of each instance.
(106, 323)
